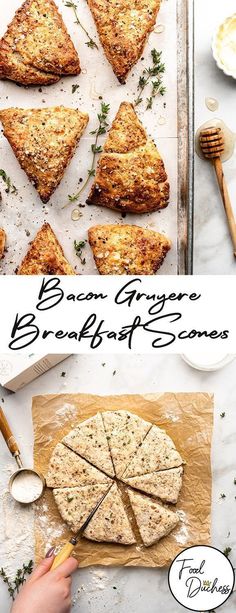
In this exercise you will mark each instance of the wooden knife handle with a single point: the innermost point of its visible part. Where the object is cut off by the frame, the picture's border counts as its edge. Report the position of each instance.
(63, 555)
(7, 434)
(226, 200)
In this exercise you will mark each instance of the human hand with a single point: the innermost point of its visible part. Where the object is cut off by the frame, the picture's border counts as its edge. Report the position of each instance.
(46, 591)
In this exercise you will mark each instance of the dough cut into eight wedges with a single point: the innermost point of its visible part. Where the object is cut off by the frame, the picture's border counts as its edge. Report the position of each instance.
(121, 445)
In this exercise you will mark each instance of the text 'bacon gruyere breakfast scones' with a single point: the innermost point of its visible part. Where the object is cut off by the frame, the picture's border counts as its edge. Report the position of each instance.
(127, 250)
(44, 141)
(37, 49)
(79, 476)
(123, 28)
(130, 174)
(45, 256)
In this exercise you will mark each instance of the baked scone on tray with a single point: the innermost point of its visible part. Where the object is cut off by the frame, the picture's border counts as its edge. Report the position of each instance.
(130, 175)
(125, 432)
(75, 504)
(44, 141)
(154, 520)
(127, 250)
(111, 523)
(90, 441)
(68, 469)
(123, 28)
(37, 49)
(45, 256)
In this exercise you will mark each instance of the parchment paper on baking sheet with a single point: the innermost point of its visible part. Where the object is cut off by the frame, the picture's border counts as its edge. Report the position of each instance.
(186, 417)
(22, 214)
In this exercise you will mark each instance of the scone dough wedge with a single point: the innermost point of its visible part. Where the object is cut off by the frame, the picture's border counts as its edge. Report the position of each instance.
(157, 452)
(76, 504)
(45, 256)
(89, 440)
(44, 141)
(154, 520)
(130, 175)
(164, 484)
(123, 28)
(37, 49)
(67, 469)
(127, 250)
(2, 242)
(110, 522)
(125, 432)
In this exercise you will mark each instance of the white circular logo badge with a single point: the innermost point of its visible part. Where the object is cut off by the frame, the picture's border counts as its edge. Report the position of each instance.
(201, 578)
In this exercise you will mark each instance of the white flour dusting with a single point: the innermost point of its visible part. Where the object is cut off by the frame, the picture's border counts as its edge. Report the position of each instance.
(183, 534)
(68, 411)
(26, 487)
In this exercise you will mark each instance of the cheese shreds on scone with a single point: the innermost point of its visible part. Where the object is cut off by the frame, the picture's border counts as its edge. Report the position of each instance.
(43, 141)
(123, 28)
(130, 175)
(67, 469)
(154, 520)
(2, 242)
(89, 440)
(127, 250)
(157, 452)
(164, 484)
(45, 256)
(110, 522)
(125, 432)
(37, 49)
(76, 504)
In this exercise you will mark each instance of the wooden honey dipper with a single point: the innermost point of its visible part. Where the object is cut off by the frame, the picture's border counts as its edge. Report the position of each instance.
(212, 145)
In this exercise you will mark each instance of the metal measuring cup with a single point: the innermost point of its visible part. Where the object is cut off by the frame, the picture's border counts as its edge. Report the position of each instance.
(27, 472)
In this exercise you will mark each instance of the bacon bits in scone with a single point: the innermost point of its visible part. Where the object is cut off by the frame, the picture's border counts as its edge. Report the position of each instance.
(123, 29)
(37, 49)
(130, 175)
(45, 256)
(127, 250)
(44, 141)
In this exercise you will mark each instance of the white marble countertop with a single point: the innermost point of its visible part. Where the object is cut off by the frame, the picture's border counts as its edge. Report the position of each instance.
(138, 590)
(213, 253)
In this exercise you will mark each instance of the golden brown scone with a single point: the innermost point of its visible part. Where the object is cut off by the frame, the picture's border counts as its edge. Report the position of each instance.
(127, 250)
(123, 28)
(44, 141)
(36, 44)
(45, 256)
(2, 242)
(130, 174)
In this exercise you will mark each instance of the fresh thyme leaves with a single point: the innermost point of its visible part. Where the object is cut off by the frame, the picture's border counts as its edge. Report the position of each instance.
(14, 585)
(10, 188)
(91, 43)
(223, 496)
(152, 76)
(222, 414)
(78, 249)
(227, 551)
(75, 86)
(95, 148)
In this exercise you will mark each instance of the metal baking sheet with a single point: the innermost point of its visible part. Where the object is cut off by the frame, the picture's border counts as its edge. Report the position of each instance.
(168, 123)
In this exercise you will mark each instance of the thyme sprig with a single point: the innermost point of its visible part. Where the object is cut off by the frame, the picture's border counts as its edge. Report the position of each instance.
(152, 76)
(91, 43)
(10, 188)
(14, 585)
(78, 250)
(95, 147)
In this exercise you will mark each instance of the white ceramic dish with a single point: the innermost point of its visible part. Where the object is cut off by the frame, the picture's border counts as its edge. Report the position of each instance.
(203, 364)
(224, 52)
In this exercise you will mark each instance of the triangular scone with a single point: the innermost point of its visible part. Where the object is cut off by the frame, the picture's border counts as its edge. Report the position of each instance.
(123, 28)
(44, 141)
(75, 504)
(165, 484)
(45, 256)
(67, 469)
(2, 242)
(110, 522)
(37, 48)
(127, 250)
(130, 175)
(154, 521)
(125, 432)
(157, 452)
(90, 441)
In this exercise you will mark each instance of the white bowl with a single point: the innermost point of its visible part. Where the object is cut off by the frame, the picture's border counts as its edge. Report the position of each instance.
(220, 51)
(209, 364)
